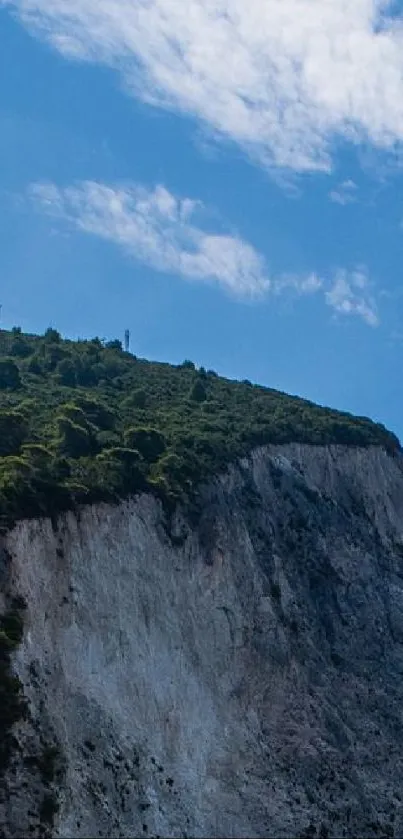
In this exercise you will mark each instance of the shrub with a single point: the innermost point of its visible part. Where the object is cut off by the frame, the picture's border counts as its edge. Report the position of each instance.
(49, 808)
(13, 432)
(114, 345)
(52, 336)
(12, 703)
(108, 439)
(148, 441)
(19, 347)
(136, 399)
(34, 365)
(9, 374)
(97, 412)
(66, 372)
(198, 391)
(73, 440)
(37, 455)
(73, 412)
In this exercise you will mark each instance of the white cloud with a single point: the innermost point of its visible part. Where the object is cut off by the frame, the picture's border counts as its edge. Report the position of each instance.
(282, 78)
(349, 295)
(156, 228)
(345, 193)
(309, 284)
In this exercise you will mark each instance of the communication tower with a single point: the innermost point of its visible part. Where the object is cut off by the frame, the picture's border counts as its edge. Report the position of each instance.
(127, 340)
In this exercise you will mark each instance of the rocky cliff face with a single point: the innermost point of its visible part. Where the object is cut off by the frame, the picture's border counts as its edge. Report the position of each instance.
(241, 676)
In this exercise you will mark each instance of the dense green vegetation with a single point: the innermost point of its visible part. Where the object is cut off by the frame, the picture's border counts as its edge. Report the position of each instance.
(84, 420)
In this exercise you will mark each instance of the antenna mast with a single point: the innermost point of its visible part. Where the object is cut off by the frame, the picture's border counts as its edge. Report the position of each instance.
(127, 340)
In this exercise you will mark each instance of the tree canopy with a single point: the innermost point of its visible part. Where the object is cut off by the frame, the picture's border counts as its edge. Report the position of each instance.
(83, 421)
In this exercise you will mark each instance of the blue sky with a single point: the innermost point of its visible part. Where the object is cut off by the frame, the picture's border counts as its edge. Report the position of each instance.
(224, 179)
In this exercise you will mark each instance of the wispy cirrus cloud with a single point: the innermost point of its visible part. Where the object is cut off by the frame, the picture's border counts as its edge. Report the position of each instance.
(345, 193)
(281, 78)
(303, 284)
(157, 228)
(350, 294)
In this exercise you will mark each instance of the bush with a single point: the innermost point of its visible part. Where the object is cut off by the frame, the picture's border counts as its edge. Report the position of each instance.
(136, 399)
(37, 455)
(114, 345)
(97, 412)
(52, 336)
(12, 704)
(73, 440)
(173, 467)
(148, 441)
(12, 625)
(66, 372)
(13, 432)
(9, 374)
(49, 808)
(108, 439)
(34, 365)
(198, 391)
(20, 348)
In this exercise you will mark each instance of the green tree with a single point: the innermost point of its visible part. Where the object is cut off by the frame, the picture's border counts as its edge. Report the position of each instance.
(88, 371)
(19, 347)
(148, 441)
(66, 372)
(52, 336)
(97, 412)
(73, 440)
(52, 354)
(75, 413)
(114, 345)
(9, 374)
(35, 364)
(38, 456)
(13, 432)
(198, 391)
(136, 399)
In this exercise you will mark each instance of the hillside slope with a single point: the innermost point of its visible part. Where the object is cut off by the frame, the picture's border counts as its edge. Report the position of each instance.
(239, 675)
(83, 421)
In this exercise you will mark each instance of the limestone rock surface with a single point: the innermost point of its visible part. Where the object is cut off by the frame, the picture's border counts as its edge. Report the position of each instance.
(239, 675)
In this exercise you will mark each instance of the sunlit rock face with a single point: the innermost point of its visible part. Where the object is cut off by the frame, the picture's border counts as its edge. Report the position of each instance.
(236, 675)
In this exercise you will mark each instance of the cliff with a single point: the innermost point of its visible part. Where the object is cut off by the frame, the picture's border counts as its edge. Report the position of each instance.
(235, 675)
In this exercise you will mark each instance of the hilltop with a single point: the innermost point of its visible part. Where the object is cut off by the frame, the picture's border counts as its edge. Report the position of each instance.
(84, 421)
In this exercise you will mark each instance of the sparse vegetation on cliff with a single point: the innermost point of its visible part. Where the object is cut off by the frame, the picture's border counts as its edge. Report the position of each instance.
(84, 421)
(12, 702)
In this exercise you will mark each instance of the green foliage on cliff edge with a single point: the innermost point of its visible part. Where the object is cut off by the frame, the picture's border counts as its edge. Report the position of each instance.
(82, 421)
